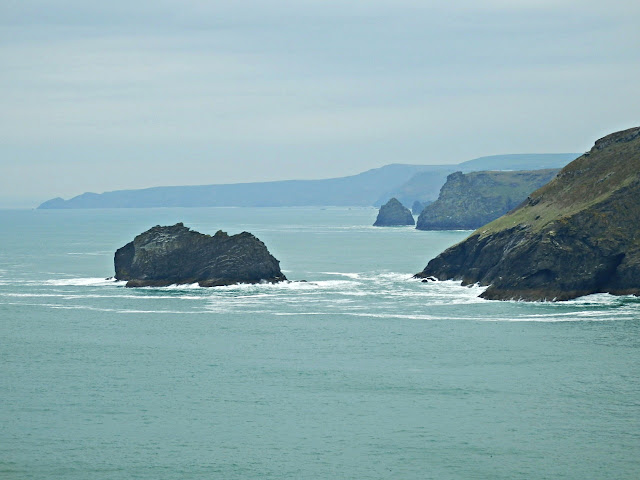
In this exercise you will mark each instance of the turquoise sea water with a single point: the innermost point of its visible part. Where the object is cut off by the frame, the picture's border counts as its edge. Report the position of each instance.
(360, 373)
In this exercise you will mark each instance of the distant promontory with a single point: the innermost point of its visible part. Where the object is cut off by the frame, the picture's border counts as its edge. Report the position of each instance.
(405, 182)
(175, 254)
(577, 235)
(468, 201)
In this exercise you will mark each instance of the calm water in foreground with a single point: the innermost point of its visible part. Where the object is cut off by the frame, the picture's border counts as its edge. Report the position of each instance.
(360, 373)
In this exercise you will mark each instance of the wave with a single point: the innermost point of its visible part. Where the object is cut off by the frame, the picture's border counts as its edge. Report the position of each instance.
(77, 296)
(286, 286)
(426, 317)
(471, 318)
(391, 295)
(393, 284)
(343, 274)
(83, 282)
(57, 306)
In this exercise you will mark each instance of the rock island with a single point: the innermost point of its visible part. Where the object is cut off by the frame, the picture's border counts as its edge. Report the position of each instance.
(175, 254)
(393, 214)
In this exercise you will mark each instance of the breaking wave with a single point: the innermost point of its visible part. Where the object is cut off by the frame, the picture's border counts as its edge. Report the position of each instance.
(390, 295)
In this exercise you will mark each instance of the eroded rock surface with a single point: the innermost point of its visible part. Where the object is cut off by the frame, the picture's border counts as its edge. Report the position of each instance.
(175, 254)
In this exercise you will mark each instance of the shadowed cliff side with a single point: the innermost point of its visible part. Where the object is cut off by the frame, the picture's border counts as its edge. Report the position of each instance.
(577, 235)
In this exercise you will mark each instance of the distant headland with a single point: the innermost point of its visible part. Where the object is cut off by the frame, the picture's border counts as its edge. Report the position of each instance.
(468, 201)
(407, 183)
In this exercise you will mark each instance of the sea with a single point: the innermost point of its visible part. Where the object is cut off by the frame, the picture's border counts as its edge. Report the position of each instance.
(352, 370)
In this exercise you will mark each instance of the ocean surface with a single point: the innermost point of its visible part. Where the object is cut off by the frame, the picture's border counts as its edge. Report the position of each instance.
(361, 372)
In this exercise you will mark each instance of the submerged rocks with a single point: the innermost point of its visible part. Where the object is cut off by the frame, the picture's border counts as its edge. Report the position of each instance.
(577, 235)
(175, 254)
(393, 213)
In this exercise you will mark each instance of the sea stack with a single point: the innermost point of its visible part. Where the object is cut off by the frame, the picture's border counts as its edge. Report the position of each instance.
(393, 214)
(577, 235)
(175, 254)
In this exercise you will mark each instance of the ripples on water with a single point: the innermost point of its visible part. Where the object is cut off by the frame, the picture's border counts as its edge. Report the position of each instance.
(360, 372)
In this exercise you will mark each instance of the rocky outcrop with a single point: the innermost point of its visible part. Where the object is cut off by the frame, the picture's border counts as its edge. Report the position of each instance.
(577, 235)
(393, 213)
(171, 255)
(468, 201)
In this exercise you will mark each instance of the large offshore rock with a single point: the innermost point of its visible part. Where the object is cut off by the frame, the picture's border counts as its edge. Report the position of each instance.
(577, 235)
(177, 255)
(469, 200)
(393, 213)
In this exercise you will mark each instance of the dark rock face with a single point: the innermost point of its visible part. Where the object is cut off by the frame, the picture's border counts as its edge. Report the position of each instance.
(468, 201)
(165, 256)
(577, 235)
(393, 213)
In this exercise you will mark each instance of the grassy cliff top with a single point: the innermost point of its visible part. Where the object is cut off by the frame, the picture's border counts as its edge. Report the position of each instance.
(612, 164)
(504, 183)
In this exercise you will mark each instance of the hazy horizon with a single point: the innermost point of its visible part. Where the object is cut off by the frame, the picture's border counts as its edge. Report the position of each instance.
(31, 204)
(125, 96)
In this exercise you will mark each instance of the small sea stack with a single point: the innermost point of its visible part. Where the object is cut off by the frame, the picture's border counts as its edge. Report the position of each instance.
(393, 214)
(175, 254)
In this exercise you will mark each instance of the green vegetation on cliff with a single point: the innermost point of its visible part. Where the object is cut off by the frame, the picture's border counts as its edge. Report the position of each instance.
(424, 186)
(468, 201)
(577, 235)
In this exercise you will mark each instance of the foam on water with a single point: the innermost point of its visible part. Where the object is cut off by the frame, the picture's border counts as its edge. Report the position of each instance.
(82, 282)
(394, 295)
(354, 276)
(361, 372)
(76, 296)
(58, 306)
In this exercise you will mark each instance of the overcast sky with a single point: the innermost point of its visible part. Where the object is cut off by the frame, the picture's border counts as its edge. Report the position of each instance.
(99, 96)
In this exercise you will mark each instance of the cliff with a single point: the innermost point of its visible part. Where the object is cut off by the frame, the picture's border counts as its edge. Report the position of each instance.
(577, 235)
(468, 201)
(171, 255)
(425, 186)
(393, 213)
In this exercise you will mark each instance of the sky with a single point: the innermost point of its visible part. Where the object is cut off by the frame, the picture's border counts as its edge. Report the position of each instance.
(101, 96)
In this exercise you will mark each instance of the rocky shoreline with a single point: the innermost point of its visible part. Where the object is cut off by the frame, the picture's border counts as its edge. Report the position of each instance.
(577, 235)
